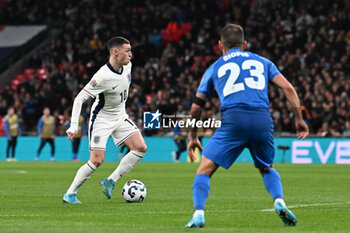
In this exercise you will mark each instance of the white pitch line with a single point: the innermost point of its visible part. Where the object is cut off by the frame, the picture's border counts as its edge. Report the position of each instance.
(178, 212)
(310, 205)
(22, 215)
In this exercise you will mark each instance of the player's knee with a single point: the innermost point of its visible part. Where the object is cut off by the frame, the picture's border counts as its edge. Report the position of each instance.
(142, 148)
(98, 162)
(97, 158)
(207, 167)
(205, 170)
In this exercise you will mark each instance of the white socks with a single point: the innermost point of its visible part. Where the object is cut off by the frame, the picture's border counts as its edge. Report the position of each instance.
(197, 212)
(83, 174)
(279, 200)
(126, 164)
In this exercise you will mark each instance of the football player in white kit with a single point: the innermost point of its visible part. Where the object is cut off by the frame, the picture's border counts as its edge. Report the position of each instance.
(109, 87)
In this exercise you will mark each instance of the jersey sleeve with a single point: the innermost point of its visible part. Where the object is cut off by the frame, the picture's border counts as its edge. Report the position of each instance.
(7, 129)
(40, 125)
(206, 84)
(95, 86)
(273, 71)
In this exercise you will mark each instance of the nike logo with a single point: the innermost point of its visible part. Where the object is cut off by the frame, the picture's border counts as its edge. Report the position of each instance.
(114, 87)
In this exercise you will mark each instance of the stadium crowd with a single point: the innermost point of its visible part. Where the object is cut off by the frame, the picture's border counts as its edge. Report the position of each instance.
(174, 42)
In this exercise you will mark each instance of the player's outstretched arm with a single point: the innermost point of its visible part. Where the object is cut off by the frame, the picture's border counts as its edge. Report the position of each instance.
(293, 99)
(78, 103)
(196, 111)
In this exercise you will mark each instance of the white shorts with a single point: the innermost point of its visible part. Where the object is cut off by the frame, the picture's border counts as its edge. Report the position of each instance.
(120, 130)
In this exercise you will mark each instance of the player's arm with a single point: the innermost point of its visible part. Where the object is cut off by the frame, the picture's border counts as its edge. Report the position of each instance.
(203, 91)
(196, 112)
(40, 125)
(293, 99)
(7, 129)
(92, 89)
(77, 105)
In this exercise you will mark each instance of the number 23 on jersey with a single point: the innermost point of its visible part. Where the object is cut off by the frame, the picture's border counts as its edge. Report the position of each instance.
(256, 81)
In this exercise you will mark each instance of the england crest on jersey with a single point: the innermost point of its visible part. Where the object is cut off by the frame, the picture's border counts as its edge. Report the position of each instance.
(129, 78)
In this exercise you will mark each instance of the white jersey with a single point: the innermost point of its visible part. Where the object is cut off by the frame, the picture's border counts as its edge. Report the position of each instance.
(110, 90)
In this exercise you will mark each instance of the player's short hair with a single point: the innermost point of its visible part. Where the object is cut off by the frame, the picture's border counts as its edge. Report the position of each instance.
(232, 36)
(116, 42)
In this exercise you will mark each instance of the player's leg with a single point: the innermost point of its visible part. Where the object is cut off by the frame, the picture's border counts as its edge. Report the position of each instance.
(221, 150)
(201, 183)
(98, 136)
(42, 144)
(272, 182)
(200, 188)
(14, 144)
(181, 148)
(51, 141)
(127, 133)
(262, 151)
(75, 145)
(138, 148)
(121, 152)
(9, 145)
(83, 174)
(273, 185)
(176, 154)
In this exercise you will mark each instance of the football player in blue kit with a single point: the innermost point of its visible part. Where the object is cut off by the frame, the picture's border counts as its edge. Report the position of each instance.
(241, 81)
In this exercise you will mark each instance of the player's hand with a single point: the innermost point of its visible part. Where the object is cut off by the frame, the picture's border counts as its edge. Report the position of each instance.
(71, 132)
(302, 129)
(192, 144)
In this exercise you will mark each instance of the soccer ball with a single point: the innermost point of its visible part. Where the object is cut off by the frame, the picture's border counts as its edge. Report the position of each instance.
(134, 191)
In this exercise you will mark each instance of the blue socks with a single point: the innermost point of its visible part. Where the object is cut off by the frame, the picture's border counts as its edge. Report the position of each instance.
(200, 188)
(273, 184)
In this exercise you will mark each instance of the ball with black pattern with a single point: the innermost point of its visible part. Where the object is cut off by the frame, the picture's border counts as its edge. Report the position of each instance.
(134, 191)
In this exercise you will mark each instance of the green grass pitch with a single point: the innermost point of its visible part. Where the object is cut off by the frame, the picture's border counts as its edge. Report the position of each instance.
(31, 199)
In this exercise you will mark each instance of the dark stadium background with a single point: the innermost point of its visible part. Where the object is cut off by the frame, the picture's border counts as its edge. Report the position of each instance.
(54, 48)
(173, 43)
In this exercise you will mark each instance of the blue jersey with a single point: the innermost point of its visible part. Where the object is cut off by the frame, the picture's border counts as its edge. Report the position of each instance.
(240, 79)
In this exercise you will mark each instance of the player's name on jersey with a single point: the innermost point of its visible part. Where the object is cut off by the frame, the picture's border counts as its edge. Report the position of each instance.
(235, 54)
(209, 123)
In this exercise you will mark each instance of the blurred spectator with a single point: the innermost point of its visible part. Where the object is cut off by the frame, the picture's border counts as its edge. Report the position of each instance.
(82, 134)
(29, 105)
(174, 42)
(46, 132)
(12, 130)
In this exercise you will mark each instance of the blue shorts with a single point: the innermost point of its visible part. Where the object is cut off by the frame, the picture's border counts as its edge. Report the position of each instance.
(240, 128)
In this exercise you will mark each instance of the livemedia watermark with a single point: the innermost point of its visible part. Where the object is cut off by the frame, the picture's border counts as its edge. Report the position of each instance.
(155, 120)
